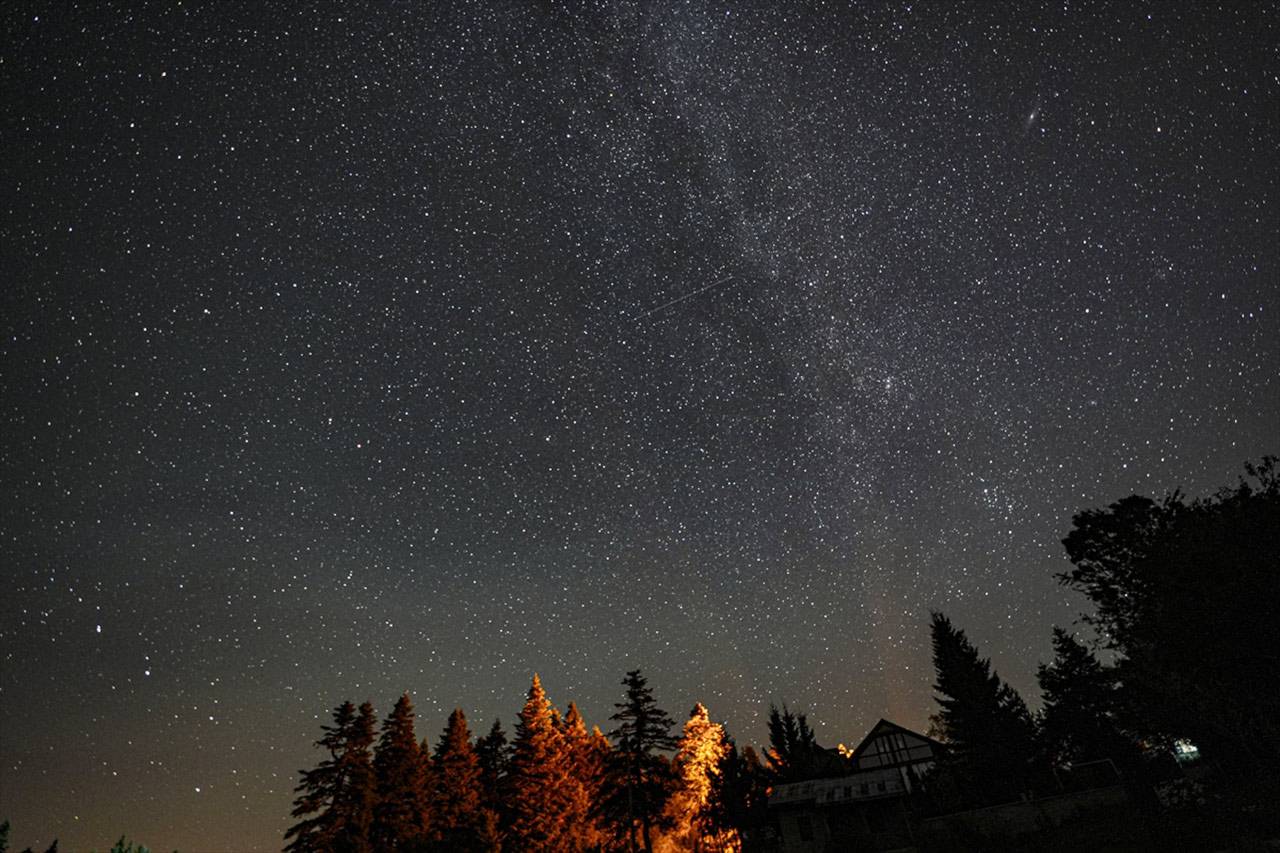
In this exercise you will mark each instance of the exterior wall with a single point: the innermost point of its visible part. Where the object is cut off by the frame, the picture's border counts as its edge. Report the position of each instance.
(894, 749)
(859, 786)
(1014, 819)
(866, 825)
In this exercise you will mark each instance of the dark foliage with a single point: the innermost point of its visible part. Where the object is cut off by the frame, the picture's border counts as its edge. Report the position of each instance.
(460, 819)
(1185, 593)
(988, 728)
(1082, 715)
(644, 777)
(335, 799)
(793, 753)
(401, 818)
(739, 794)
(494, 756)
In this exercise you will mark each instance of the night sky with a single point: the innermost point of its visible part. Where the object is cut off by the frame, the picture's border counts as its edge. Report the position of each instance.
(365, 348)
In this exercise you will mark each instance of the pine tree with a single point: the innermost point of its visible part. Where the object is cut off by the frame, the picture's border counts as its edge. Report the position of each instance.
(426, 803)
(400, 817)
(643, 728)
(985, 722)
(339, 792)
(699, 756)
(739, 794)
(458, 810)
(792, 746)
(585, 768)
(494, 756)
(1082, 707)
(538, 778)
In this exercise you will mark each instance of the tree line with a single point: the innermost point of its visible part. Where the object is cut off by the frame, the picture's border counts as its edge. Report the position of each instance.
(556, 786)
(1182, 590)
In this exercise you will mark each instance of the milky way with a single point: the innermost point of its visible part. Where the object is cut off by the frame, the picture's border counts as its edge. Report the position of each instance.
(384, 347)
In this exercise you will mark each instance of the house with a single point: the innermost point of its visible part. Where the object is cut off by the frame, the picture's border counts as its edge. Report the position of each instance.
(889, 745)
(864, 808)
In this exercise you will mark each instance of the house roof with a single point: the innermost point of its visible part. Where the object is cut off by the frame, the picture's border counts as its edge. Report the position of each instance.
(886, 727)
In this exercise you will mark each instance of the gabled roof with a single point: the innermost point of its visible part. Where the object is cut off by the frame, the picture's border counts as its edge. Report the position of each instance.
(885, 727)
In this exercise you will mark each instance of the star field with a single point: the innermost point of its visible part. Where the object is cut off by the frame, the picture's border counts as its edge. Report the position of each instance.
(372, 347)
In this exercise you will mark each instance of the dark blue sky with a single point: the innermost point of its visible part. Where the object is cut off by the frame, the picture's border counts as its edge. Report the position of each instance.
(382, 347)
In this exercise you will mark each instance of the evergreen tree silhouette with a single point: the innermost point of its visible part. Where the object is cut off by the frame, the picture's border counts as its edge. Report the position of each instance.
(400, 818)
(459, 814)
(792, 746)
(739, 794)
(494, 756)
(1081, 716)
(645, 777)
(986, 724)
(339, 793)
(539, 783)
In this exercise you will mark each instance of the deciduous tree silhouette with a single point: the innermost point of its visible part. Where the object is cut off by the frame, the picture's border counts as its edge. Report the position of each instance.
(1185, 592)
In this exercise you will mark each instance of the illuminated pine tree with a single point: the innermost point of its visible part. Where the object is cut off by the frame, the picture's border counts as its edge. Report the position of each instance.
(539, 778)
(339, 793)
(585, 762)
(700, 753)
(399, 819)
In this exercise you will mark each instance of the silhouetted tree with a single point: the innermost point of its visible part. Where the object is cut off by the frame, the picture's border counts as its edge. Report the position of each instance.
(339, 793)
(460, 818)
(740, 794)
(1185, 593)
(986, 724)
(123, 846)
(645, 777)
(400, 818)
(494, 756)
(1081, 714)
(539, 783)
(793, 749)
